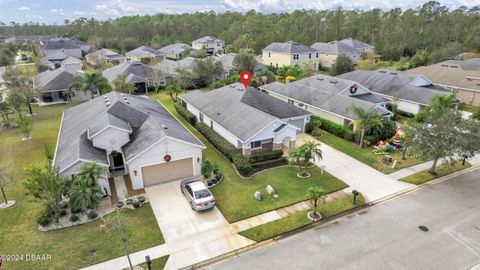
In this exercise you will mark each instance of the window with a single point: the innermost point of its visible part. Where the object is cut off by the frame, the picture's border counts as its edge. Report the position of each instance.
(256, 144)
(295, 56)
(290, 101)
(276, 66)
(269, 55)
(189, 190)
(310, 55)
(201, 117)
(211, 123)
(317, 54)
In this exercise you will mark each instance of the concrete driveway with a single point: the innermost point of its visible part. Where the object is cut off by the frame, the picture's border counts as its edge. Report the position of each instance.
(190, 236)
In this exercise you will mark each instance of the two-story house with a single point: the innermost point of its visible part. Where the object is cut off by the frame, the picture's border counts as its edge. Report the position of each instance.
(289, 53)
(213, 45)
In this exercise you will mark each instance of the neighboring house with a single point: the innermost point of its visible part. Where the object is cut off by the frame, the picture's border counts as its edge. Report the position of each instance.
(329, 52)
(328, 97)
(32, 38)
(249, 119)
(410, 92)
(127, 134)
(176, 51)
(144, 52)
(169, 67)
(455, 75)
(227, 63)
(68, 46)
(60, 59)
(358, 45)
(141, 75)
(52, 86)
(103, 56)
(212, 44)
(289, 53)
(71, 64)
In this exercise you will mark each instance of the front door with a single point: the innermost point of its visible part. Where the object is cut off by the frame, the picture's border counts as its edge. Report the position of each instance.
(117, 161)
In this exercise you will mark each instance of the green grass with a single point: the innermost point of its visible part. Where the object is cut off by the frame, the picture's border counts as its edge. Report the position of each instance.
(157, 264)
(442, 170)
(234, 195)
(299, 219)
(70, 247)
(469, 108)
(365, 154)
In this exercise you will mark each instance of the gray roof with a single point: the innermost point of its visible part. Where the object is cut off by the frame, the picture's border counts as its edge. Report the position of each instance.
(148, 121)
(324, 92)
(52, 80)
(176, 48)
(71, 60)
(169, 67)
(335, 47)
(136, 72)
(62, 43)
(144, 51)
(104, 54)
(470, 64)
(56, 56)
(226, 60)
(396, 84)
(207, 39)
(242, 112)
(288, 47)
(357, 44)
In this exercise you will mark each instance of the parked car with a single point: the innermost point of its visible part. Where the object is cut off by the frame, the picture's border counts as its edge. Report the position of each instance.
(197, 194)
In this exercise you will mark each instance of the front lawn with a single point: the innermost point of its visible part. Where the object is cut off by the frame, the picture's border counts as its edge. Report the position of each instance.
(365, 154)
(299, 219)
(469, 108)
(70, 248)
(235, 195)
(442, 170)
(157, 264)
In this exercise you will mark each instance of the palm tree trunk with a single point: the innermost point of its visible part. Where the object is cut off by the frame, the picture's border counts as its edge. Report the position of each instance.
(4, 196)
(362, 135)
(434, 166)
(29, 108)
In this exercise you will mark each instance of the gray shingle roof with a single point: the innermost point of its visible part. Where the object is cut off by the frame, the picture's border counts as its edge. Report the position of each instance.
(357, 44)
(169, 67)
(288, 47)
(136, 72)
(62, 43)
(226, 60)
(335, 47)
(395, 84)
(470, 64)
(52, 80)
(144, 51)
(103, 54)
(236, 109)
(176, 48)
(57, 56)
(146, 118)
(208, 39)
(323, 92)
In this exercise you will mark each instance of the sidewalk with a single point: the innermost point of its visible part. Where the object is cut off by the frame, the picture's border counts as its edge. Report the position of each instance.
(371, 183)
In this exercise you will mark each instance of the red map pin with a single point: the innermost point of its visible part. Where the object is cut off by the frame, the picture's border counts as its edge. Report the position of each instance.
(246, 78)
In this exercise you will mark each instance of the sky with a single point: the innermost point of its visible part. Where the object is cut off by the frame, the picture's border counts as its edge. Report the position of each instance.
(56, 11)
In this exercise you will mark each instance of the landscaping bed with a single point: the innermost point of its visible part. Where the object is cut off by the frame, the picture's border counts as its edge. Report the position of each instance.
(442, 170)
(300, 219)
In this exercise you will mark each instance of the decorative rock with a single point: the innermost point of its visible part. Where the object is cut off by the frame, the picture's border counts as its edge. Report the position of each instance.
(269, 189)
(258, 196)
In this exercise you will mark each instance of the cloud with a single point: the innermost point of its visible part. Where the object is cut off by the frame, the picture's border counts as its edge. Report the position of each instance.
(24, 8)
(112, 13)
(79, 13)
(57, 10)
(101, 7)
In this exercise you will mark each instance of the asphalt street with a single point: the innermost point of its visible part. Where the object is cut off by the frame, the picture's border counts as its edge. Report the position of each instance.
(387, 235)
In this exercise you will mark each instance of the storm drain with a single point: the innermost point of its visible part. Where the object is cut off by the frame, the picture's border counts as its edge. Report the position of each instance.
(423, 228)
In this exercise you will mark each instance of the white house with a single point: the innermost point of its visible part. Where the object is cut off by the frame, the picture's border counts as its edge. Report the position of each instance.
(247, 118)
(212, 44)
(127, 135)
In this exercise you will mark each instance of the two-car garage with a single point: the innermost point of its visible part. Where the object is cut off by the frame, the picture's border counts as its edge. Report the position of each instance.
(167, 171)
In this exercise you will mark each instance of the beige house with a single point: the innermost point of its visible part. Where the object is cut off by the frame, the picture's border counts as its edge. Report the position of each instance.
(289, 53)
(329, 52)
(456, 75)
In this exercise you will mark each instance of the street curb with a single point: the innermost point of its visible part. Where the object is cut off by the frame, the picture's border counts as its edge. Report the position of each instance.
(325, 222)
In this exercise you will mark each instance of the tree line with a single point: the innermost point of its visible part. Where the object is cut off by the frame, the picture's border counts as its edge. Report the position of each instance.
(395, 32)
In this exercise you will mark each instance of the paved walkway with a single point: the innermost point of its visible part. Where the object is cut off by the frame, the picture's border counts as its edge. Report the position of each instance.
(371, 183)
(120, 187)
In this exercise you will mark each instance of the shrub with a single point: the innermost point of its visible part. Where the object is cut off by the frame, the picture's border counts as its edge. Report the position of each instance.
(43, 218)
(225, 148)
(331, 127)
(316, 132)
(309, 127)
(92, 214)
(62, 212)
(182, 111)
(420, 117)
(73, 218)
(265, 155)
(136, 205)
(206, 168)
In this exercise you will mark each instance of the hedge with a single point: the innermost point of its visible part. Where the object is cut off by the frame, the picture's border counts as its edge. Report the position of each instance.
(192, 119)
(331, 127)
(265, 155)
(226, 148)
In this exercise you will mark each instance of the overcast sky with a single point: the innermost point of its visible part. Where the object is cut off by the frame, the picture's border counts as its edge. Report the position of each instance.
(55, 11)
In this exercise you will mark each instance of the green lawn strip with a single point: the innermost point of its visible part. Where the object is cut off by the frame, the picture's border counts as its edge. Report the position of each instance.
(69, 247)
(442, 170)
(234, 195)
(157, 264)
(299, 219)
(469, 108)
(365, 154)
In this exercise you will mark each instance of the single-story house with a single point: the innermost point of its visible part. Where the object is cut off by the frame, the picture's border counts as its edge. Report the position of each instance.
(328, 97)
(410, 92)
(68, 46)
(141, 75)
(247, 118)
(144, 52)
(169, 67)
(53, 60)
(330, 51)
(129, 135)
(52, 86)
(456, 75)
(357, 44)
(227, 63)
(176, 51)
(212, 44)
(103, 55)
(71, 64)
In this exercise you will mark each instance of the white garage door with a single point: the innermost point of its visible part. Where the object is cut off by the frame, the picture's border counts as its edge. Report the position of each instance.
(166, 172)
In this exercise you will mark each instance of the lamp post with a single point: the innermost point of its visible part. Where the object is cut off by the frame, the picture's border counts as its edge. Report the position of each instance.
(149, 262)
(355, 194)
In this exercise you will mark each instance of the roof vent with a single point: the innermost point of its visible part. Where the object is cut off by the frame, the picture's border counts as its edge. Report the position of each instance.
(454, 66)
(333, 81)
(320, 78)
(444, 65)
(123, 95)
(107, 103)
(383, 71)
(232, 85)
(240, 89)
(106, 97)
(126, 101)
(164, 127)
(394, 73)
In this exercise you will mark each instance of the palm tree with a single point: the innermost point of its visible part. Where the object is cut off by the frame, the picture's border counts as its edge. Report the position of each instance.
(439, 104)
(173, 90)
(300, 156)
(311, 150)
(120, 84)
(83, 195)
(92, 82)
(366, 119)
(90, 173)
(296, 157)
(315, 195)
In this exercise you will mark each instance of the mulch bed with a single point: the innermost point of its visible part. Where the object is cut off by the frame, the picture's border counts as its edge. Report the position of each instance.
(256, 168)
